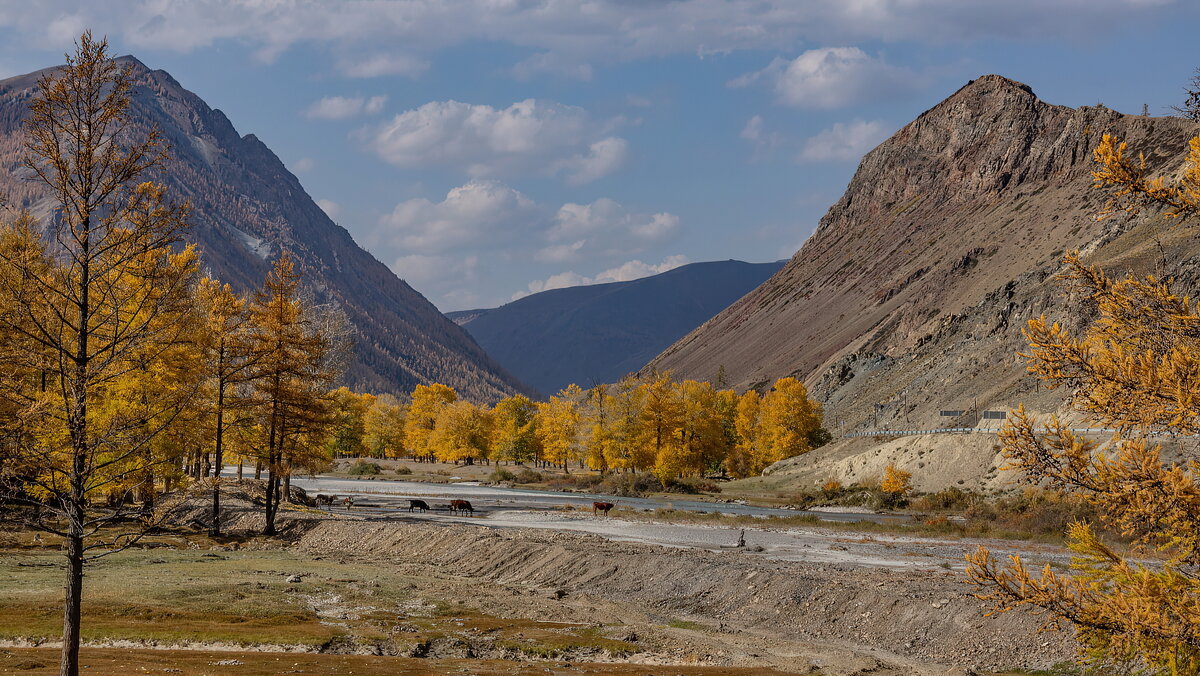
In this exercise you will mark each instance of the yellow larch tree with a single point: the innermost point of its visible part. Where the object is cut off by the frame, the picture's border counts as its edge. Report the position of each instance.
(1136, 369)
(383, 427)
(421, 417)
(558, 428)
(461, 433)
(514, 431)
(789, 422)
(742, 461)
(105, 295)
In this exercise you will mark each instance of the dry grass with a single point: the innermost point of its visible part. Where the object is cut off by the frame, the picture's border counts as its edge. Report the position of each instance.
(104, 661)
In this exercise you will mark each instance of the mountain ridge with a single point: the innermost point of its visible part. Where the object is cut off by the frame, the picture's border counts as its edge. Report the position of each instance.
(600, 332)
(909, 296)
(246, 207)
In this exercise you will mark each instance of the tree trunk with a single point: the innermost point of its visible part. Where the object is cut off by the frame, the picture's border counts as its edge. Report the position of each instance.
(69, 662)
(258, 470)
(287, 488)
(219, 461)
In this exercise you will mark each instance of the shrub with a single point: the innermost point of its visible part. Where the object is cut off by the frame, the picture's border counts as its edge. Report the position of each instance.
(362, 468)
(501, 474)
(529, 476)
(403, 470)
(832, 488)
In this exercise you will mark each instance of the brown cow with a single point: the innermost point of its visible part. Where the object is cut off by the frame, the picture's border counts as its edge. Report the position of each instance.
(601, 507)
(323, 500)
(348, 502)
(461, 506)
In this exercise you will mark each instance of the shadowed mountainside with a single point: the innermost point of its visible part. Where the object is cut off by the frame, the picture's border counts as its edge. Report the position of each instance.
(246, 207)
(598, 333)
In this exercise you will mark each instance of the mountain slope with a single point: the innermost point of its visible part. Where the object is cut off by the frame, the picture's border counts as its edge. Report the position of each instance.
(909, 297)
(598, 333)
(246, 207)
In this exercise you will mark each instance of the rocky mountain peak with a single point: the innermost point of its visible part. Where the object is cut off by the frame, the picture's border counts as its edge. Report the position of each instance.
(946, 240)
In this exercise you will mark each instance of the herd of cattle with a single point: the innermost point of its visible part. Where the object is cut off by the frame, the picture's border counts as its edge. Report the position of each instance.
(455, 507)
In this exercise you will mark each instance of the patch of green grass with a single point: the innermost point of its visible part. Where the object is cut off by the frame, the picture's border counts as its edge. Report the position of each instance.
(685, 624)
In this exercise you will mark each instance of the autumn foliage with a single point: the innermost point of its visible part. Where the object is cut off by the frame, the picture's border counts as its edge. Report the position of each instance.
(1136, 369)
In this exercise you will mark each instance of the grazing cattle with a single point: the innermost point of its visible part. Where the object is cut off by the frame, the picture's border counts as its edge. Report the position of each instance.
(461, 506)
(348, 502)
(418, 504)
(601, 507)
(323, 500)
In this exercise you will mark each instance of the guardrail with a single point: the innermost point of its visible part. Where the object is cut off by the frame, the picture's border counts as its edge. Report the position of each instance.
(977, 430)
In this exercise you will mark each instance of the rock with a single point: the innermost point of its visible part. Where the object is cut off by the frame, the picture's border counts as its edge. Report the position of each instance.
(294, 579)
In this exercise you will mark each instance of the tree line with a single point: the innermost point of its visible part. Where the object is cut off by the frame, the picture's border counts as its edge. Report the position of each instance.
(673, 429)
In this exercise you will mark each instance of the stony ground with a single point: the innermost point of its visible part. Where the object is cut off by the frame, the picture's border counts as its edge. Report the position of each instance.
(416, 593)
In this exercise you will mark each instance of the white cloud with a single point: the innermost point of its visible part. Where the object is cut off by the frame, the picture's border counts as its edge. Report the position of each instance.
(303, 164)
(602, 158)
(476, 214)
(843, 142)
(609, 30)
(441, 246)
(560, 253)
(754, 129)
(832, 77)
(625, 272)
(331, 208)
(384, 64)
(610, 226)
(344, 107)
(527, 137)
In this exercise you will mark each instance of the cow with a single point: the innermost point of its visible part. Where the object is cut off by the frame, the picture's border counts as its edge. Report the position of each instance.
(418, 504)
(323, 500)
(348, 503)
(461, 506)
(602, 507)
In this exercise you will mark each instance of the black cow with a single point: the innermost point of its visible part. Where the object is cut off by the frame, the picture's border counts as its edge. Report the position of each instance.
(418, 504)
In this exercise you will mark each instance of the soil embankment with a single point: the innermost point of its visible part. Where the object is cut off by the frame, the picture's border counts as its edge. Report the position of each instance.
(841, 618)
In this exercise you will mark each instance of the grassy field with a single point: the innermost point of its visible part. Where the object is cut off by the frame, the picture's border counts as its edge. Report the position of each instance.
(188, 591)
(40, 661)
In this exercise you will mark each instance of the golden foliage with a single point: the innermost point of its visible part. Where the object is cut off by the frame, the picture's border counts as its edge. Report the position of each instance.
(896, 481)
(1137, 369)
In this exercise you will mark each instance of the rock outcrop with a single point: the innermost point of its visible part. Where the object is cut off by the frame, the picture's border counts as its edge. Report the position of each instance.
(910, 296)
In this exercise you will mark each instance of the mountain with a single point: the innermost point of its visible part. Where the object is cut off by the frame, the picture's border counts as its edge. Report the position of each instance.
(910, 296)
(247, 207)
(599, 333)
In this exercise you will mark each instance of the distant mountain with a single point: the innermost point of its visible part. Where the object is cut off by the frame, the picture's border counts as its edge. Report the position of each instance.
(910, 297)
(246, 207)
(599, 333)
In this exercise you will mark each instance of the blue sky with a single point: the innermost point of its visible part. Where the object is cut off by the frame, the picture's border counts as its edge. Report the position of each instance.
(485, 149)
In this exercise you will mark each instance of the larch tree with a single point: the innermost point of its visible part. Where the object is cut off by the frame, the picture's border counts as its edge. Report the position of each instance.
(599, 433)
(228, 367)
(296, 348)
(421, 418)
(625, 450)
(514, 431)
(104, 297)
(384, 427)
(1136, 369)
(789, 423)
(743, 458)
(462, 433)
(558, 427)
